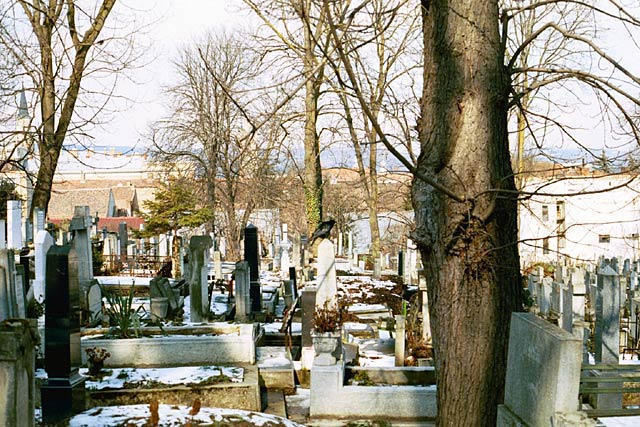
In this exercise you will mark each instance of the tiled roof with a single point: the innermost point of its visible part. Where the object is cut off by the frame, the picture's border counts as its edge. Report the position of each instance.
(112, 223)
(62, 202)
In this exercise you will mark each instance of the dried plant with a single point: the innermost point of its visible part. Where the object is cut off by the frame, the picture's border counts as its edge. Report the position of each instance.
(327, 319)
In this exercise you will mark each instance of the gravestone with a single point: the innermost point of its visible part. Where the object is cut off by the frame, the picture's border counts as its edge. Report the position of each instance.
(243, 286)
(8, 295)
(350, 243)
(94, 302)
(277, 238)
(160, 287)
(42, 244)
(123, 239)
(340, 252)
(21, 291)
(399, 341)
(567, 309)
(217, 265)
(543, 372)
(293, 278)
(327, 287)
(607, 330)
(3, 234)
(401, 264)
(38, 219)
(376, 268)
(163, 245)
(199, 287)
(252, 256)
(63, 393)
(80, 227)
(288, 292)
(14, 224)
(308, 307)
(426, 320)
(17, 373)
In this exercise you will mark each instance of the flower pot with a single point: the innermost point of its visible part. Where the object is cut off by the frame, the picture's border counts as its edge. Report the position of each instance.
(327, 347)
(95, 366)
(159, 308)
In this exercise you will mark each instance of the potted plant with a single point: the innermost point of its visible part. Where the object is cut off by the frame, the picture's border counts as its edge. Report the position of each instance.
(95, 359)
(326, 335)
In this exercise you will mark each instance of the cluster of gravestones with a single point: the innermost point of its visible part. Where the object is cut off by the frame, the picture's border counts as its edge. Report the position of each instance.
(602, 297)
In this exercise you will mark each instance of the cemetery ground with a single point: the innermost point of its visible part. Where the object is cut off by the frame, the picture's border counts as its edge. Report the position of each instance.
(286, 340)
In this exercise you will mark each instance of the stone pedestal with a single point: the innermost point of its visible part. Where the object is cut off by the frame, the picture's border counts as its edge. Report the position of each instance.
(18, 339)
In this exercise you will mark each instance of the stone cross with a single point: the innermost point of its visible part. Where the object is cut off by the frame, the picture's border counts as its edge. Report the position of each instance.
(63, 393)
(42, 243)
(252, 256)
(14, 224)
(327, 286)
(243, 285)
(198, 284)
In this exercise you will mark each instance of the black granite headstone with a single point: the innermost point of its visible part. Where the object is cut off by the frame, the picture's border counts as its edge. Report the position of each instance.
(63, 393)
(292, 277)
(252, 257)
(400, 264)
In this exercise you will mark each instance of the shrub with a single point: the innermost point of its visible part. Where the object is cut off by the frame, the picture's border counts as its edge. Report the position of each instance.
(327, 319)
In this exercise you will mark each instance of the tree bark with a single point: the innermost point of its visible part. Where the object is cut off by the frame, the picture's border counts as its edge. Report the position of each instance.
(312, 167)
(469, 249)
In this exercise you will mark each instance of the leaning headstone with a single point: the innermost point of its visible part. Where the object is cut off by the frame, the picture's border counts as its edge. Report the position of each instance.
(252, 256)
(159, 287)
(243, 286)
(543, 372)
(327, 286)
(199, 286)
(63, 393)
(42, 244)
(607, 330)
(17, 373)
(14, 224)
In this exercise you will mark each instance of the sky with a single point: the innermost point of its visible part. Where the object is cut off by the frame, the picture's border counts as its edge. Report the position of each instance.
(171, 24)
(175, 23)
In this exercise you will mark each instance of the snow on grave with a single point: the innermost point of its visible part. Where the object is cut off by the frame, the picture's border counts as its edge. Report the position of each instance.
(170, 415)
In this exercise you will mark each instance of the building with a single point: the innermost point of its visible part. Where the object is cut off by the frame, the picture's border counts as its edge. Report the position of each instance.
(581, 216)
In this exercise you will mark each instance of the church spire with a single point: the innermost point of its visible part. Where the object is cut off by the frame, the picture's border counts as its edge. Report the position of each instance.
(23, 111)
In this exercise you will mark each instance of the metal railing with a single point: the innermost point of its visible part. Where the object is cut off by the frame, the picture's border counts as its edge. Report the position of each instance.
(134, 265)
(610, 379)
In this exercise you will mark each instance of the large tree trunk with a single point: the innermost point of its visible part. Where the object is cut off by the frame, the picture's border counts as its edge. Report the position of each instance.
(312, 167)
(469, 249)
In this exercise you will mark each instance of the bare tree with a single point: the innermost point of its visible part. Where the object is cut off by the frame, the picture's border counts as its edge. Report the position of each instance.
(65, 42)
(302, 34)
(379, 45)
(212, 129)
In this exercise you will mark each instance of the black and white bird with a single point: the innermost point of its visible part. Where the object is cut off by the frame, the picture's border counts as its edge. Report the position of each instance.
(323, 231)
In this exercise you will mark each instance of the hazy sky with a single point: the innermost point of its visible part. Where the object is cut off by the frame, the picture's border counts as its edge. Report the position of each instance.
(172, 24)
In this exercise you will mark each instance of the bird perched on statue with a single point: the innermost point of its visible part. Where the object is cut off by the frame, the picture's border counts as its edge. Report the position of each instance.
(323, 231)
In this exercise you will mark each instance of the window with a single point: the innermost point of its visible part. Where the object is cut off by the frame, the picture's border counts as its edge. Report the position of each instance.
(545, 213)
(604, 238)
(545, 246)
(560, 210)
